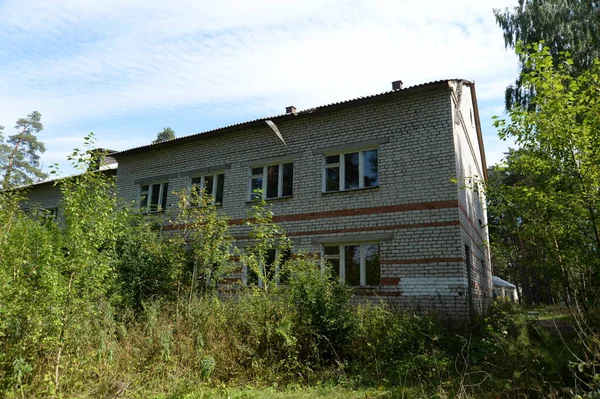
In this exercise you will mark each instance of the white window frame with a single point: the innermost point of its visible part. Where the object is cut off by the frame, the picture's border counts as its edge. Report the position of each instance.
(202, 178)
(148, 194)
(342, 258)
(342, 168)
(264, 180)
(260, 282)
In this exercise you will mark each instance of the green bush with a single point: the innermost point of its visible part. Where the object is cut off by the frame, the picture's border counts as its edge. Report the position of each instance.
(102, 304)
(324, 319)
(396, 346)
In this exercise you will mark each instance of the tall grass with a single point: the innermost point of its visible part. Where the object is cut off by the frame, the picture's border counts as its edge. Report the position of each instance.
(105, 305)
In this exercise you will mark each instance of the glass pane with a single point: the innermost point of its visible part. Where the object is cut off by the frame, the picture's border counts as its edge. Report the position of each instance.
(195, 191)
(335, 267)
(208, 185)
(145, 188)
(257, 171)
(332, 179)
(331, 250)
(332, 159)
(154, 199)
(256, 185)
(220, 188)
(283, 271)
(351, 170)
(251, 277)
(163, 203)
(144, 200)
(371, 175)
(372, 264)
(269, 264)
(288, 179)
(352, 264)
(272, 181)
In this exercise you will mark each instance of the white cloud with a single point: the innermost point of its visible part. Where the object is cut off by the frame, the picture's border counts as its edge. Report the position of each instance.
(84, 63)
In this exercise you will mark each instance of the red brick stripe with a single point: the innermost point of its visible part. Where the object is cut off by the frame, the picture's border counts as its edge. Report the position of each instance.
(355, 212)
(418, 261)
(389, 281)
(475, 229)
(359, 211)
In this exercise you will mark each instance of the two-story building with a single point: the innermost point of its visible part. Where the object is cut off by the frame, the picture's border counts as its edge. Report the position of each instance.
(383, 187)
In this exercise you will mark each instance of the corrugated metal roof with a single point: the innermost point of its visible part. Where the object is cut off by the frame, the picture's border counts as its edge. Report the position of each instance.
(52, 180)
(502, 283)
(235, 126)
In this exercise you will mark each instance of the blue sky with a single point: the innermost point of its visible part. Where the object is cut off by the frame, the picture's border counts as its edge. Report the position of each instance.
(125, 70)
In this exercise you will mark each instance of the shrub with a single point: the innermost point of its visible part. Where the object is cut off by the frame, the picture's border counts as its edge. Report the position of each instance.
(396, 346)
(325, 322)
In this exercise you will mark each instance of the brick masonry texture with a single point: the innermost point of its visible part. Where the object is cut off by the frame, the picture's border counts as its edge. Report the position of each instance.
(45, 196)
(425, 140)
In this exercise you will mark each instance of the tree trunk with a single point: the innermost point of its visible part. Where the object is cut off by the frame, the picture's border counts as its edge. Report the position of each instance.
(9, 167)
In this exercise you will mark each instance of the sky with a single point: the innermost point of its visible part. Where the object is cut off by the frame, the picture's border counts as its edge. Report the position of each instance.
(125, 70)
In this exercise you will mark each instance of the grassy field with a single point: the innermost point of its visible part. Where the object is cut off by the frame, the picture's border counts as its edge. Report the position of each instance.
(291, 392)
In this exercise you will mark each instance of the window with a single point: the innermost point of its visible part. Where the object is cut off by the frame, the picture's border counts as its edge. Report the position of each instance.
(51, 213)
(275, 181)
(212, 185)
(350, 171)
(41, 214)
(354, 264)
(153, 197)
(271, 269)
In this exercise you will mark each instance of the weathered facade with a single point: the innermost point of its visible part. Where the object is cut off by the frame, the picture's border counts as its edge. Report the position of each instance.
(47, 195)
(368, 184)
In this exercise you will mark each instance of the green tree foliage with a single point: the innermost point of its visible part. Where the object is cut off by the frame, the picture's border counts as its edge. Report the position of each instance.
(166, 135)
(564, 25)
(264, 257)
(149, 263)
(56, 277)
(544, 201)
(209, 241)
(20, 154)
(324, 318)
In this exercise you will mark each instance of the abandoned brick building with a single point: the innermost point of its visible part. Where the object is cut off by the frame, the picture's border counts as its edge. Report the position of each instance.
(374, 185)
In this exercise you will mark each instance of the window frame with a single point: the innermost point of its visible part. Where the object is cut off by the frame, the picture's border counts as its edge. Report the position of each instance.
(342, 169)
(162, 196)
(342, 258)
(251, 195)
(51, 213)
(202, 177)
(259, 281)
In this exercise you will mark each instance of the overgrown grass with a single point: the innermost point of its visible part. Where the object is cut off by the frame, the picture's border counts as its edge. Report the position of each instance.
(107, 306)
(258, 346)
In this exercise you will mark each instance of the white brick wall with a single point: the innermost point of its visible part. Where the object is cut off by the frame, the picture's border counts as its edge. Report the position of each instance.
(422, 264)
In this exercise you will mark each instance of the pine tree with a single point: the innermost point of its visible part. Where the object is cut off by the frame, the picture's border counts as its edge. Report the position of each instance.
(20, 154)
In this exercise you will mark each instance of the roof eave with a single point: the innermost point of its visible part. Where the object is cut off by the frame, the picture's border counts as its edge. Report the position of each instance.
(441, 84)
(479, 134)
